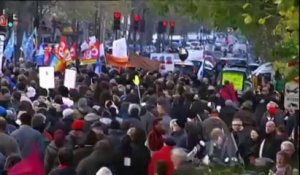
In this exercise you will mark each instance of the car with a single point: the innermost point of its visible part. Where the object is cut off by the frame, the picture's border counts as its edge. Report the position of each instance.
(185, 67)
(253, 66)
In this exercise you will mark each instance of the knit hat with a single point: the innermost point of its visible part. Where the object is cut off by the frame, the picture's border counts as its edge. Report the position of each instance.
(91, 117)
(31, 92)
(247, 105)
(78, 125)
(83, 105)
(3, 112)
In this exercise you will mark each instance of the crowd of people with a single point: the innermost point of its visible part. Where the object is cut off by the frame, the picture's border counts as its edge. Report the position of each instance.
(172, 125)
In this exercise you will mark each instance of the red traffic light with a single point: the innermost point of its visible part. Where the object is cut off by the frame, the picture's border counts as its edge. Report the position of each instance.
(172, 23)
(164, 23)
(136, 18)
(117, 15)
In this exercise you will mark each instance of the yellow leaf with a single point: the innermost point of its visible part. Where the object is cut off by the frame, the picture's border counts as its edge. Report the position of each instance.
(281, 13)
(277, 1)
(246, 5)
(262, 21)
(248, 19)
(136, 80)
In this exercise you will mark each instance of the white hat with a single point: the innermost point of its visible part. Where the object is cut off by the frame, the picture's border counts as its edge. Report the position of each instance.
(30, 92)
(67, 112)
(104, 171)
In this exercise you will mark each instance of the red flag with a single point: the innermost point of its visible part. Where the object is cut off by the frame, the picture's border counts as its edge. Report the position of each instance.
(31, 165)
(47, 55)
(73, 51)
(62, 46)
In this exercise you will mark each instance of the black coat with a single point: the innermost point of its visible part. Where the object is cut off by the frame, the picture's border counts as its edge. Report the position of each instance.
(271, 146)
(140, 159)
(227, 113)
(97, 159)
(65, 171)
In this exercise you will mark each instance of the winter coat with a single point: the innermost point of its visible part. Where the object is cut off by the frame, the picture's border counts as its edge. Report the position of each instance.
(51, 159)
(134, 122)
(227, 113)
(8, 145)
(81, 152)
(271, 146)
(228, 93)
(155, 140)
(140, 159)
(180, 138)
(97, 159)
(27, 138)
(115, 136)
(147, 121)
(64, 171)
(164, 154)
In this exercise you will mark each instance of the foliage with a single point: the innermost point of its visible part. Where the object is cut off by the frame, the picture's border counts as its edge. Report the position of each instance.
(271, 25)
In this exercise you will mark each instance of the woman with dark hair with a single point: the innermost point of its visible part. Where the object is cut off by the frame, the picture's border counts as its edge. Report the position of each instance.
(124, 153)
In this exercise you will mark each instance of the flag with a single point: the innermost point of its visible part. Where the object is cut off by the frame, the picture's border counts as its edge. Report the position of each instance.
(30, 45)
(40, 56)
(59, 64)
(10, 47)
(200, 73)
(24, 40)
(91, 55)
(32, 164)
(98, 68)
(47, 55)
(73, 51)
(62, 47)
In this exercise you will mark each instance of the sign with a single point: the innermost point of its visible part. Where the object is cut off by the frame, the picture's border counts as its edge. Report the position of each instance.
(70, 78)
(3, 21)
(46, 77)
(291, 95)
(166, 61)
(91, 55)
(119, 48)
(237, 79)
(136, 80)
(2, 39)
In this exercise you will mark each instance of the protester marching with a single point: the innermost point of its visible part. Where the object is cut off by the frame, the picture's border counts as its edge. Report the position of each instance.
(87, 109)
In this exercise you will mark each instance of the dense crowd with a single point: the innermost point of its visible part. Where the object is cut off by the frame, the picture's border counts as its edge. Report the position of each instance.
(177, 125)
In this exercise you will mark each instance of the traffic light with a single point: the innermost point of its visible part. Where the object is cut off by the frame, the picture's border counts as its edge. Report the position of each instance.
(162, 27)
(136, 20)
(10, 20)
(117, 21)
(172, 27)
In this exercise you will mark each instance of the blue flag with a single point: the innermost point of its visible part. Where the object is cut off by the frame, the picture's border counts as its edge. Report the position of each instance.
(98, 68)
(200, 73)
(10, 47)
(40, 56)
(24, 40)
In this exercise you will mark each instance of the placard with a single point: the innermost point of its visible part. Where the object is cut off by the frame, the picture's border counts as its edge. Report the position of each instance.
(237, 79)
(46, 77)
(166, 61)
(70, 78)
(291, 95)
(2, 39)
(119, 48)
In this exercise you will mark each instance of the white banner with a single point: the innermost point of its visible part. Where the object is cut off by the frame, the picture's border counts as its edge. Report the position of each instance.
(70, 78)
(46, 77)
(119, 48)
(291, 95)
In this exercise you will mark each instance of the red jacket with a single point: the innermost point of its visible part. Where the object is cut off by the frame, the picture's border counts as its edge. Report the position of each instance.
(163, 154)
(228, 93)
(155, 140)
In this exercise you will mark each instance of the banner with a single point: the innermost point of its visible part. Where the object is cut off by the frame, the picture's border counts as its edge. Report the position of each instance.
(291, 95)
(73, 51)
(46, 77)
(91, 55)
(119, 48)
(237, 79)
(166, 61)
